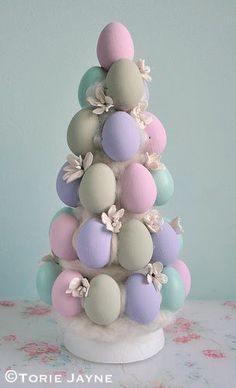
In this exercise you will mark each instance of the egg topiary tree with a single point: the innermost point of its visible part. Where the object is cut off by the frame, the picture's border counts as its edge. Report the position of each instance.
(114, 266)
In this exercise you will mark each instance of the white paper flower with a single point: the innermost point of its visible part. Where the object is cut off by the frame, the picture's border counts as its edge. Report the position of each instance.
(112, 219)
(153, 162)
(76, 166)
(102, 102)
(78, 287)
(139, 114)
(156, 276)
(153, 220)
(144, 70)
(176, 225)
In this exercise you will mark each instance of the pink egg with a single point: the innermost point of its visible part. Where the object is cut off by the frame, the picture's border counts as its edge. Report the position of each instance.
(65, 304)
(60, 236)
(157, 136)
(115, 42)
(138, 189)
(184, 272)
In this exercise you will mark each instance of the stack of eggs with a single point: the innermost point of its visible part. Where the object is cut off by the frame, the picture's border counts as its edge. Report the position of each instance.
(112, 253)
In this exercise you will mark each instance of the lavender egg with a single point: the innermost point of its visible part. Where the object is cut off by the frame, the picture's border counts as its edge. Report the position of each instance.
(67, 192)
(93, 244)
(120, 136)
(142, 300)
(166, 245)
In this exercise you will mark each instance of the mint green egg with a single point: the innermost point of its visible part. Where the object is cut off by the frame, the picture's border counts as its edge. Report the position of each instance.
(97, 190)
(46, 276)
(65, 209)
(81, 131)
(135, 246)
(173, 293)
(180, 236)
(92, 76)
(103, 303)
(165, 186)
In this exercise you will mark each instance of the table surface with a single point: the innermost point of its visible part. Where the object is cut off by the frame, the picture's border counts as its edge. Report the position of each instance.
(200, 350)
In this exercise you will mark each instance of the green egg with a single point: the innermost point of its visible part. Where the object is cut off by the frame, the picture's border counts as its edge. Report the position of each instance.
(135, 246)
(103, 303)
(92, 76)
(173, 293)
(65, 209)
(81, 131)
(46, 276)
(165, 186)
(124, 84)
(97, 190)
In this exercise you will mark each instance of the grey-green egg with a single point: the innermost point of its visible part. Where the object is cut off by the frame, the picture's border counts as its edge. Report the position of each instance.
(124, 84)
(135, 246)
(81, 131)
(97, 190)
(103, 303)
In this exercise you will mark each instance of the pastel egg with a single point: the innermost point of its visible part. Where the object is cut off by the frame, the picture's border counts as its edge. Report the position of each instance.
(180, 236)
(46, 276)
(135, 245)
(67, 192)
(81, 131)
(138, 189)
(115, 42)
(173, 292)
(166, 245)
(91, 77)
(65, 304)
(103, 303)
(61, 234)
(184, 272)
(120, 136)
(142, 299)
(165, 186)
(67, 210)
(93, 244)
(97, 191)
(124, 84)
(157, 140)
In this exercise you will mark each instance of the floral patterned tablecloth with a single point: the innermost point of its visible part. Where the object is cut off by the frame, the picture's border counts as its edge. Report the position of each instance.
(200, 351)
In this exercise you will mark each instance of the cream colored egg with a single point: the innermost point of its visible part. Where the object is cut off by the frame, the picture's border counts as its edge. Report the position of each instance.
(135, 246)
(81, 131)
(103, 303)
(97, 190)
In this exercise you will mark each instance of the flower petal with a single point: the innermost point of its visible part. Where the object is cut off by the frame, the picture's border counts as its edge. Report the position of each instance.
(149, 278)
(112, 211)
(92, 101)
(99, 93)
(88, 160)
(158, 266)
(99, 111)
(105, 218)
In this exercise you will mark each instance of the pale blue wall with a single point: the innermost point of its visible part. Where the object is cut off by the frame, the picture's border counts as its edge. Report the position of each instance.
(45, 48)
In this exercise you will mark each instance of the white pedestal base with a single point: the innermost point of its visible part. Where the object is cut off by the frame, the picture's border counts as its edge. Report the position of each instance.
(119, 352)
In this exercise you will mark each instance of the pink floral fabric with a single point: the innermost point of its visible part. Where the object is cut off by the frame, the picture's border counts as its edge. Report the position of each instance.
(200, 344)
